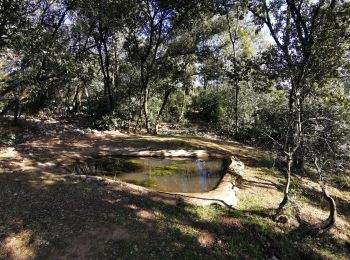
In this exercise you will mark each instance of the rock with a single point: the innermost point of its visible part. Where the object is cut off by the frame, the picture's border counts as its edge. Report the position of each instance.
(80, 131)
(273, 258)
(235, 189)
(180, 201)
(236, 166)
(102, 183)
(88, 180)
(283, 219)
(44, 243)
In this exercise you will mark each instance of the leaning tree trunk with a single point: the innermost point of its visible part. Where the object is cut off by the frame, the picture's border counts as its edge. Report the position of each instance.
(330, 221)
(286, 188)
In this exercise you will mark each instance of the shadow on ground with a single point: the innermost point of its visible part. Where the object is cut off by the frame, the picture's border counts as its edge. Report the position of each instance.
(45, 216)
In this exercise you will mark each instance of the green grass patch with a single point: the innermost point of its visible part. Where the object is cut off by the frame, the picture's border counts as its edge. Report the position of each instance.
(207, 213)
(238, 245)
(258, 202)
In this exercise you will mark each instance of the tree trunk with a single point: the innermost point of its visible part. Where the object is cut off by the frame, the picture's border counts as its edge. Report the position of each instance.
(165, 101)
(16, 110)
(110, 92)
(183, 107)
(330, 221)
(298, 160)
(236, 107)
(87, 97)
(286, 188)
(145, 108)
(103, 53)
(75, 100)
(233, 38)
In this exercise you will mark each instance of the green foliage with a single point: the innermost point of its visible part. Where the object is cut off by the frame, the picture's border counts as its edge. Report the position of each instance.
(125, 68)
(107, 122)
(208, 105)
(7, 138)
(269, 122)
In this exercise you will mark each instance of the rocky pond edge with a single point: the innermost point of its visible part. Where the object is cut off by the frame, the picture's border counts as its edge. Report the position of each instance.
(225, 194)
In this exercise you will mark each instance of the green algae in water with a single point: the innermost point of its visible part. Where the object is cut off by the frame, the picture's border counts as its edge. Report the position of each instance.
(173, 168)
(177, 174)
(162, 174)
(149, 183)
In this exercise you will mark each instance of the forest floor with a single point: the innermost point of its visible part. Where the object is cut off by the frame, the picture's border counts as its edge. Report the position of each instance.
(46, 214)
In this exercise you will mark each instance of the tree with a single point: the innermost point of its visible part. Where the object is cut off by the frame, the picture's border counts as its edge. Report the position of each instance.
(38, 26)
(150, 30)
(102, 22)
(11, 14)
(327, 138)
(303, 32)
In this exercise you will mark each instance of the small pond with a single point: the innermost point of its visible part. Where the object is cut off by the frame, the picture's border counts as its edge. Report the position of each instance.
(162, 174)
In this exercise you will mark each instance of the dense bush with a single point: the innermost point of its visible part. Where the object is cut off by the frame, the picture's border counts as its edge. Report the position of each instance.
(208, 106)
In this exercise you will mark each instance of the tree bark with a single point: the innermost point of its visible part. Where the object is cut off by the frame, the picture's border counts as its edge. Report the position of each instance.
(286, 188)
(103, 53)
(183, 107)
(16, 109)
(236, 106)
(75, 100)
(233, 39)
(330, 221)
(145, 108)
(298, 160)
(165, 101)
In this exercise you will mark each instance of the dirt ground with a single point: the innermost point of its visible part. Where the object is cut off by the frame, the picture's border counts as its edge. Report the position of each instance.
(47, 214)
